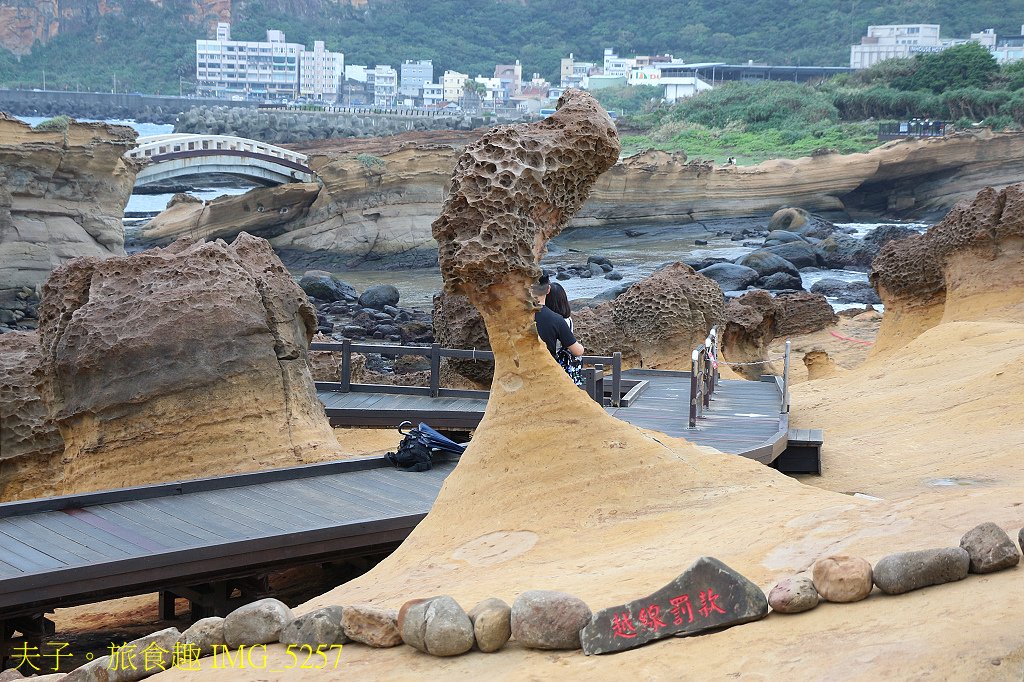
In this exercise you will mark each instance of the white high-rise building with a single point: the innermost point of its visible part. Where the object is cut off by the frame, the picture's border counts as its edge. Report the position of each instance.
(274, 69)
(321, 72)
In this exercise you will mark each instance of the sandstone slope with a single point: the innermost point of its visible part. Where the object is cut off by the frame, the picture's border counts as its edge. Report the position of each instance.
(554, 494)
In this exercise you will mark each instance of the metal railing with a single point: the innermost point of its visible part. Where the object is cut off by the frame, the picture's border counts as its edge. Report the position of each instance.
(703, 375)
(594, 371)
(916, 128)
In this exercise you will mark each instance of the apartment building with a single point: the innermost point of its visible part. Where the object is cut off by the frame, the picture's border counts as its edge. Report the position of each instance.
(385, 85)
(454, 84)
(414, 75)
(906, 40)
(614, 65)
(573, 72)
(511, 77)
(273, 69)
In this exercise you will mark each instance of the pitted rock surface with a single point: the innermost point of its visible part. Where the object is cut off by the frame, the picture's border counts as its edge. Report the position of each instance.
(457, 324)
(29, 440)
(516, 188)
(913, 269)
(203, 339)
(802, 313)
(657, 321)
(750, 327)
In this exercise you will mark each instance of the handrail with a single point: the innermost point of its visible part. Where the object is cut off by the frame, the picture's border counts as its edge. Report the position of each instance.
(595, 374)
(703, 376)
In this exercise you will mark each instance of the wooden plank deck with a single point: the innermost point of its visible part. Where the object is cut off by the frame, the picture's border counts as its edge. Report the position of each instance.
(744, 417)
(85, 548)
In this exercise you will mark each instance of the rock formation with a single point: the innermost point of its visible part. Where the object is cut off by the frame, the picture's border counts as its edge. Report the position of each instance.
(62, 195)
(969, 265)
(379, 197)
(30, 443)
(457, 324)
(175, 363)
(657, 322)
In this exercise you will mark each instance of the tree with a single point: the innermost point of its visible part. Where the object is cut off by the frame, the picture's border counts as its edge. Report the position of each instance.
(964, 66)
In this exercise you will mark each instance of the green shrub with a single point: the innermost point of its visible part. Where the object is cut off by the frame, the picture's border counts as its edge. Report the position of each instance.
(57, 123)
(371, 162)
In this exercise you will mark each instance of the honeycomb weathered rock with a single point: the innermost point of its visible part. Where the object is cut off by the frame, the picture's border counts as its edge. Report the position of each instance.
(457, 324)
(517, 187)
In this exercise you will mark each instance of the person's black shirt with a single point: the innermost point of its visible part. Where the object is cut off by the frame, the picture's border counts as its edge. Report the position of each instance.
(552, 327)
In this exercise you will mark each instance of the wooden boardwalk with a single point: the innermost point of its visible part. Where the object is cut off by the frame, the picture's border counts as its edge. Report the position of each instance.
(76, 549)
(744, 418)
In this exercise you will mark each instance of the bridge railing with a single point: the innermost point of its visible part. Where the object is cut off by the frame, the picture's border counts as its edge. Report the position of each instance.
(703, 376)
(596, 368)
(181, 143)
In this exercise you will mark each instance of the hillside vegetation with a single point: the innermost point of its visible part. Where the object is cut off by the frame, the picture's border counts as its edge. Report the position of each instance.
(758, 121)
(150, 47)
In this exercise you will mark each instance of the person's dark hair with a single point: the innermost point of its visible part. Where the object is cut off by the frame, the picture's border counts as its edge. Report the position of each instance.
(558, 301)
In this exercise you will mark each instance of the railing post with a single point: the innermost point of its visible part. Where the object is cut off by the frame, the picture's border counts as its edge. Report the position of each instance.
(785, 381)
(616, 377)
(346, 365)
(693, 390)
(599, 384)
(588, 372)
(435, 369)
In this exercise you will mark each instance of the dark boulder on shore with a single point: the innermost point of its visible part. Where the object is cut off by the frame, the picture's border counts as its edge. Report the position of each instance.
(731, 277)
(846, 292)
(800, 254)
(776, 237)
(799, 221)
(324, 286)
(767, 263)
(378, 296)
(781, 281)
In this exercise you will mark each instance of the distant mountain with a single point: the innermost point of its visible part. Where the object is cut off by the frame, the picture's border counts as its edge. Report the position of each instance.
(148, 45)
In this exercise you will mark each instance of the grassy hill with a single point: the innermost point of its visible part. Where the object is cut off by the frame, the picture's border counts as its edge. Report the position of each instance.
(150, 47)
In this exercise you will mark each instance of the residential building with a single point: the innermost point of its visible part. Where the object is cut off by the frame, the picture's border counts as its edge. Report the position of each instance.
(495, 90)
(414, 75)
(573, 72)
(614, 65)
(433, 94)
(454, 85)
(273, 68)
(321, 73)
(907, 40)
(385, 85)
(511, 76)
(1010, 49)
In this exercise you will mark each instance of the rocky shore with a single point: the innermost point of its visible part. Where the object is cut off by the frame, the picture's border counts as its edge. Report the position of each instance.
(377, 198)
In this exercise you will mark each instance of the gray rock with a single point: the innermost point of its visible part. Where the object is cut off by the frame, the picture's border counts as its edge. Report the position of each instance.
(260, 622)
(322, 626)
(1020, 538)
(846, 292)
(132, 662)
(599, 260)
(205, 634)
(793, 595)
(10, 675)
(906, 571)
(883, 234)
(492, 624)
(782, 281)
(614, 276)
(543, 619)
(731, 277)
(707, 596)
(371, 625)
(326, 287)
(378, 296)
(767, 263)
(436, 626)
(842, 578)
(800, 254)
(991, 549)
(783, 237)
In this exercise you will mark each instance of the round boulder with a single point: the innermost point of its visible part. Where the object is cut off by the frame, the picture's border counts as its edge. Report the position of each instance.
(260, 622)
(782, 281)
(906, 571)
(492, 624)
(782, 237)
(731, 277)
(436, 626)
(793, 595)
(204, 634)
(320, 627)
(846, 292)
(800, 254)
(326, 287)
(378, 296)
(543, 619)
(842, 578)
(990, 548)
(767, 263)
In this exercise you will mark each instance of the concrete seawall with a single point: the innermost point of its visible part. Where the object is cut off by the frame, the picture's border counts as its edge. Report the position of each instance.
(103, 105)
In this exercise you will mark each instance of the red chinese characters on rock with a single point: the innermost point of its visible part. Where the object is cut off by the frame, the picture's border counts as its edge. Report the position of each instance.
(682, 613)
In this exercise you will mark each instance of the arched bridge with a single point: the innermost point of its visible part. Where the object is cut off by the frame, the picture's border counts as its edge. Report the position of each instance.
(181, 154)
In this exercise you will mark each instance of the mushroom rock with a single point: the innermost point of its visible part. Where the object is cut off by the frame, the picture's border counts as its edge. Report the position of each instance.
(750, 327)
(657, 322)
(968, 266)
(457, 324)
(179, 362)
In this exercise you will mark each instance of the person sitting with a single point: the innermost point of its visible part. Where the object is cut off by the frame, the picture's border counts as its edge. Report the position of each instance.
(558, 301)
(552, 327)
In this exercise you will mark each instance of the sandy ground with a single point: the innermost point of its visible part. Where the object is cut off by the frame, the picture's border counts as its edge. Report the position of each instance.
(568, 500)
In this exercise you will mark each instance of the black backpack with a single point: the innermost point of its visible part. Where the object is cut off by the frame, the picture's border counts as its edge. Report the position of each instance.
(413, 453)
